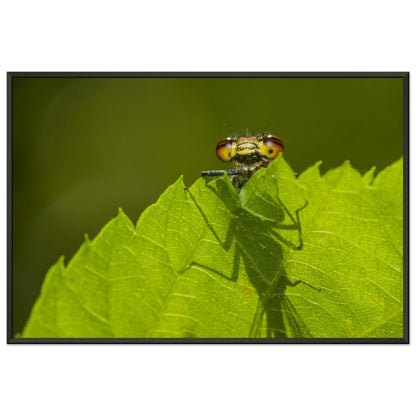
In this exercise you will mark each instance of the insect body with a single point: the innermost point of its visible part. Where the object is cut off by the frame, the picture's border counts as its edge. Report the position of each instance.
(249, 154)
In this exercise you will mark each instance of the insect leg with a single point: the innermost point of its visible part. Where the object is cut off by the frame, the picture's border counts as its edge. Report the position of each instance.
(296, 222)
(296, 282)
(218, 172)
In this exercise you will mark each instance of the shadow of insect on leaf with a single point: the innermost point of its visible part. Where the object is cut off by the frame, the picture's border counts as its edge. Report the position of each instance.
(259, 246)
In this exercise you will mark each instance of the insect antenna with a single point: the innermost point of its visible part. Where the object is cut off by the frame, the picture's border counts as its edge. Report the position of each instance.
(228, 128)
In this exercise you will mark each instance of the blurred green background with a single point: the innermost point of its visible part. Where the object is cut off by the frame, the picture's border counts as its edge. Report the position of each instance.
(82, 147)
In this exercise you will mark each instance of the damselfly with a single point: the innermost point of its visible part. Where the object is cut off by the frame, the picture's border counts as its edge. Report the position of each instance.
(248, 153)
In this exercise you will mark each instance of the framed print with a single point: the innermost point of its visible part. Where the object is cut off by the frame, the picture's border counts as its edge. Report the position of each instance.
(208, 207)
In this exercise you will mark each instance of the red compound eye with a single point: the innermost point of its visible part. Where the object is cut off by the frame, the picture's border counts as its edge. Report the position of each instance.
(271, 146)
(226, 149)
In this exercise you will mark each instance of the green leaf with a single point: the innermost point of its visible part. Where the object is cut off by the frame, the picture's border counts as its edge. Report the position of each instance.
(319, 256)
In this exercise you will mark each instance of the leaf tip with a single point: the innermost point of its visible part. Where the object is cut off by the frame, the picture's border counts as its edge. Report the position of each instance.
(59, 264)
(121, 215)
(179, 181)
(312, 172)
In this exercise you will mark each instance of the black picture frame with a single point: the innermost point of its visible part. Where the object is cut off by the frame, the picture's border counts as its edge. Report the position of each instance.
(13, 75)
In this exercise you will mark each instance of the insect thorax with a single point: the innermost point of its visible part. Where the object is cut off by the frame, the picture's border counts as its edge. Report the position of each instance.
(246, 170)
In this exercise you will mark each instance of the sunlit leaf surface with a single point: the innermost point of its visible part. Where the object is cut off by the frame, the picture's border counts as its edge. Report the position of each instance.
(317, 256)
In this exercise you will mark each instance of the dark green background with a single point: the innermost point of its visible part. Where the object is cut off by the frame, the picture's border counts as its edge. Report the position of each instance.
(84, 147)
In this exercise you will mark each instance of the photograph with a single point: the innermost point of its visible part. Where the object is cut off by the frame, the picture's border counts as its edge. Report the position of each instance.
(208, 207)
